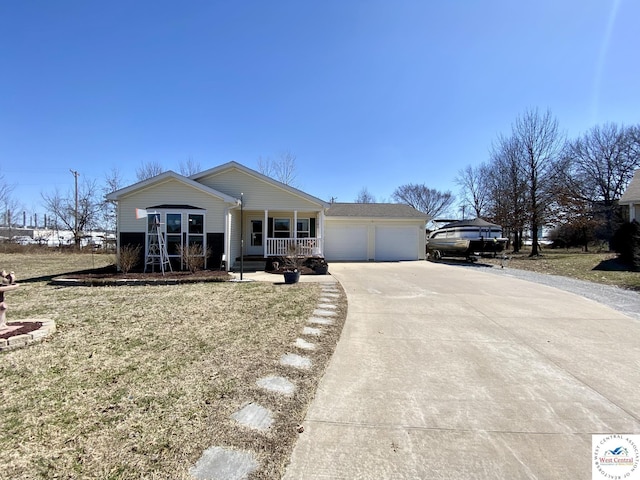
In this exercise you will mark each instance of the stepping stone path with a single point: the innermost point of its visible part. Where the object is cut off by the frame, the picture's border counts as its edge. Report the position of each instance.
(312, 331)
(231, 464)
(254, 416)
(295, 361)
(224, 464)
(321, 321)
(303, 344)
(277, 384)
(324, 313)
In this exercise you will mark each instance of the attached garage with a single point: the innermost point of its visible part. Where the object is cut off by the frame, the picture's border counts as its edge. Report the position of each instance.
(380, 232)
(346, 242)
(395, 243)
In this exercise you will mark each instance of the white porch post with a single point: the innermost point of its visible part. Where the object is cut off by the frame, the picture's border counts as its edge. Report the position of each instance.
(265, 234)
(295, 224)
(227, 239)
(320, 231)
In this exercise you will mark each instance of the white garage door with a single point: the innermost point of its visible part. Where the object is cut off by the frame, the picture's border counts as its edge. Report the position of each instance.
(345, 242)
(396, 243)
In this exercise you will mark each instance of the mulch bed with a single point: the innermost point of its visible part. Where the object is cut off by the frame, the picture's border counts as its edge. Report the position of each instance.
(303, 271)
(23, 327)
(110, 276)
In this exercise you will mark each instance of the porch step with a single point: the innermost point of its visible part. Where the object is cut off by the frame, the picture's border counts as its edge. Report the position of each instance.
(250, 265)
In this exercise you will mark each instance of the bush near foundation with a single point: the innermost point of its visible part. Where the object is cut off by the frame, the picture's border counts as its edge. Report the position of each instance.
(626, 242)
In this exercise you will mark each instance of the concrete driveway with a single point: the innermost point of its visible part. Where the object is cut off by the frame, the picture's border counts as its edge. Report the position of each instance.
(445, 372)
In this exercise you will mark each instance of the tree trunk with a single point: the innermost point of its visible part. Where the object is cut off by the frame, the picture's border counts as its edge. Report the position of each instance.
(534, 239)
(516, 241)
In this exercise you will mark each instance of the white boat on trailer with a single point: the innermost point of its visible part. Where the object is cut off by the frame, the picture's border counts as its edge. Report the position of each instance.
(466, 238)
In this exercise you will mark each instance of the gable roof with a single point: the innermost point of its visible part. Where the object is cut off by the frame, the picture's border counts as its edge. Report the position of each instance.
(238, 166)
(163, 177)
(377, 210)
(632, 193)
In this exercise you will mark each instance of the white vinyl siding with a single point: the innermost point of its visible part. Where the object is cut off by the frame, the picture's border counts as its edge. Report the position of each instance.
(169, 192)
(258, 193)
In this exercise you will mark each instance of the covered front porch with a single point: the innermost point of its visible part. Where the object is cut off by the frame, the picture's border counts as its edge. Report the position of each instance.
(278, 233)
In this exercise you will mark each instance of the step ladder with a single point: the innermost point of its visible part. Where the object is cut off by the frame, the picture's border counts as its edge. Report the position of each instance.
(156, 248)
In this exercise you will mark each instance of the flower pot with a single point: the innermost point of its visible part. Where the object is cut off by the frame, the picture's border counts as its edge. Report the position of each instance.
(321, 269)
(292, 277)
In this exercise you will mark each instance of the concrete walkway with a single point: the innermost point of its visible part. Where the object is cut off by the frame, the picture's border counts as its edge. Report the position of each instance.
(449, 373)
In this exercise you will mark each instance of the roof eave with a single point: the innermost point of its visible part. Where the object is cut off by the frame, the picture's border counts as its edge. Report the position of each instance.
(165, 176)
(229, 165)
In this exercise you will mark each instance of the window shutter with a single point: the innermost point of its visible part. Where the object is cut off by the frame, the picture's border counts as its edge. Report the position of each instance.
(312, 227)
(270, 228)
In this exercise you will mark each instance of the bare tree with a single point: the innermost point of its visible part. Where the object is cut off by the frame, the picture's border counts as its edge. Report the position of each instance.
(282, 169)
(113, 181)
(428, 200)
(62, 207)
(148, 170)
(600, 165)
(473, 186)
(190, 167)
(539, 145)
(9, 206)
(507, 188)
(365, 197)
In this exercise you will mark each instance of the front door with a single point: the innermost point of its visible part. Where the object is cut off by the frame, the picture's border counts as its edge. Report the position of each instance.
(255, 245)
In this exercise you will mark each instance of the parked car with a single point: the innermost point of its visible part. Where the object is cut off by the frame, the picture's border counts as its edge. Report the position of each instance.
(23, 240)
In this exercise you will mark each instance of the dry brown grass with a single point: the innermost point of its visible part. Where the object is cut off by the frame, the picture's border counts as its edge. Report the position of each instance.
(594, 267)
(140, 380)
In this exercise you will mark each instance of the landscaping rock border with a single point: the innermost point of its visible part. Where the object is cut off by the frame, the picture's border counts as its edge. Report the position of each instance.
(47, 328)
(116, 282)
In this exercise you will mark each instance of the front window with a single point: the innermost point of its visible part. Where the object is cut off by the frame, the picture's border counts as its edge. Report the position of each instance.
(302, 228)
(196, 231)
(196, 224)
(153, 222)
(281, 228)
(174, 233)
(174, 223)
(177, 230)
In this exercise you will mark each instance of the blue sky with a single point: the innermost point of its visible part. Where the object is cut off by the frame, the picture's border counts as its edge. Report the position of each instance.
(369, 94)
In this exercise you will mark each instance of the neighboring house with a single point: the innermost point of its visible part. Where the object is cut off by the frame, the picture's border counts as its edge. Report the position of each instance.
(375, 232)
(631, 197)
(218, 207)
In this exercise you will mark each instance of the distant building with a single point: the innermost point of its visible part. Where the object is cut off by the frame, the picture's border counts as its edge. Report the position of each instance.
(631, 197)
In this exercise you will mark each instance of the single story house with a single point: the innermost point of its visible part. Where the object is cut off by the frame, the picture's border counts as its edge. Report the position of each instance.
(232, 209)
(631, 197)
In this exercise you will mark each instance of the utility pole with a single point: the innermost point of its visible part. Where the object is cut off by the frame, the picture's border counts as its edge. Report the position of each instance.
(75, 212)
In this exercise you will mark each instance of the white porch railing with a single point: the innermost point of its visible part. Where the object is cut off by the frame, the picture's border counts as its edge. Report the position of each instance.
(281, 247)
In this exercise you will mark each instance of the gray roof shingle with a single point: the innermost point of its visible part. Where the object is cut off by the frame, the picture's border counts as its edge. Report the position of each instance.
(377, 210)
